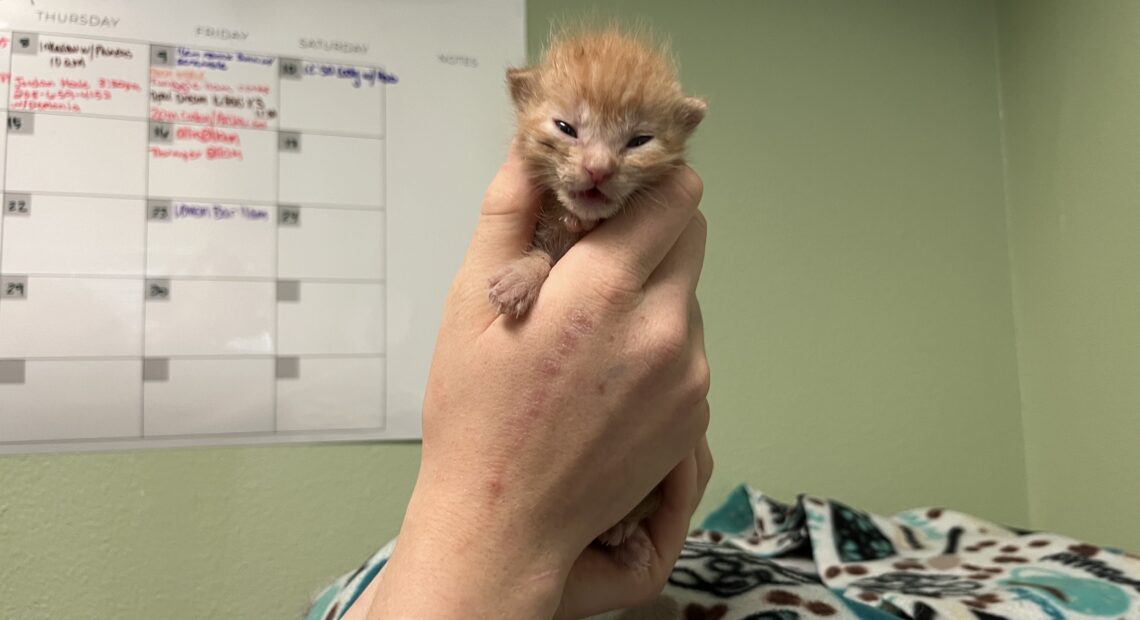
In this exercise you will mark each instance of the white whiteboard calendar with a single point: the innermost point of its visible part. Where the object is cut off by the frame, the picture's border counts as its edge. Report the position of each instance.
(235, 222)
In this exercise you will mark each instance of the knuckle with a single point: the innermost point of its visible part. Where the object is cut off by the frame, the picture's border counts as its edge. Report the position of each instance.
(702, 377)
(701, 222)
(616, 291)
(668, 340)
(698, 417)
(691, 186)
(615, 296)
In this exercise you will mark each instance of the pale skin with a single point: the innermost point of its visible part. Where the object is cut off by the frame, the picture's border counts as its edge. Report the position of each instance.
(542, 433)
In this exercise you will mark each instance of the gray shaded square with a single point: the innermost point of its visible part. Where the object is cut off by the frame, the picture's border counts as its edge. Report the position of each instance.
(288, 290)
(158, 289)
(156, 369)
(14, 287)
(161, 56)
(12, 371)
(21, 123)
(162, 133)
(290, 68)
(159, 211)
(17, 205)
(289, 141)
(25, 43)
(288, 368)
(289, 215)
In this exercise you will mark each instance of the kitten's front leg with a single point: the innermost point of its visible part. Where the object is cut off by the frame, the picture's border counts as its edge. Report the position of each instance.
(515, 287)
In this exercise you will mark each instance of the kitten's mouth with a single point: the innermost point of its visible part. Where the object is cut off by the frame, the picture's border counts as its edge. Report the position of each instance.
(592, 197)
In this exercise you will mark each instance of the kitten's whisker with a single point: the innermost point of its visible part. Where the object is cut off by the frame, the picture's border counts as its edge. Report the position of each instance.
(550, 145)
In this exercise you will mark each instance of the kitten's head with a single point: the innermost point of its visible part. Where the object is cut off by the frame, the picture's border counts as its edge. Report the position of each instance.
(601, 117)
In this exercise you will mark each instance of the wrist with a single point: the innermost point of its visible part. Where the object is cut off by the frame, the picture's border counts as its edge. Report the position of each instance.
(455, 559)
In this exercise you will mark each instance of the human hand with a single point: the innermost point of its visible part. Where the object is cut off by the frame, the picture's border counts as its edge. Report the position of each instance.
(540, 434)
(597, 583)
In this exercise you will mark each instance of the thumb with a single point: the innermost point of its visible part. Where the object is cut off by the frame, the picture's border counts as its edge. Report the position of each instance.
(503, 232)
(506, 221)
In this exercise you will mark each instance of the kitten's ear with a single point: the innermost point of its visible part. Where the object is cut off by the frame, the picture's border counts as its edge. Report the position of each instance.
(523, 84)
(692, 112)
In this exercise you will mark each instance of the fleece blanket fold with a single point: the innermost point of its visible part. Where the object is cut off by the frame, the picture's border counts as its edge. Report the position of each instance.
(755, 558)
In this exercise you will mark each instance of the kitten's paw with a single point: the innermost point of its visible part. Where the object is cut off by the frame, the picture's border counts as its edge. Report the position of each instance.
(618, 534)
(514, 288)
(636, 551)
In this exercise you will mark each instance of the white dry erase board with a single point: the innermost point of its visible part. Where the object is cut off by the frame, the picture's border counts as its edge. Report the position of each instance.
(235, 222)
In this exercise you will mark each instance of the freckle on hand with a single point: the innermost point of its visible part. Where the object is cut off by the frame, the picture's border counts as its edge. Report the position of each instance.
(495, 488)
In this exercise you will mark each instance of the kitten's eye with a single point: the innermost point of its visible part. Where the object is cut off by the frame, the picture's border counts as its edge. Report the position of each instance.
(566, 128)
(638, 141)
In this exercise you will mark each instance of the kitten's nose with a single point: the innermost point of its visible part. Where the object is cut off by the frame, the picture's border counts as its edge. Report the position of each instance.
(598, 174)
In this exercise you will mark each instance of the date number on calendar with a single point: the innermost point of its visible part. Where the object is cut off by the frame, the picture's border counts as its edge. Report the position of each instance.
(20, 123)
(17, 204)
(13, 287)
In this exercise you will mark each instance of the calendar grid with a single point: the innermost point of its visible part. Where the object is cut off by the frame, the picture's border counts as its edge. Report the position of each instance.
(201, 303)
(145, 270)
(120, 117)
(224, 199)
(7, 104)
(236, 356)
(277, 253)
(193, 278)
(211, 48)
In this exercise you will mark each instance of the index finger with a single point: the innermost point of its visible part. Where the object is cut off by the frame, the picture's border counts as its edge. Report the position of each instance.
(670, 524)
(635, 241)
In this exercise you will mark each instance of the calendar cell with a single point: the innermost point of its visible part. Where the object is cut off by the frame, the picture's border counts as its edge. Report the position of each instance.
(3, 170)
(75, 154)
(327, 97)
(211, 87)
(101, 400)
(212, 163)
(75, 75)
(5, 82)
(332, 394)
(210, 397)
(210, 239)
(211, 317)
(332, 243)
(332, 318)
(5, 63)
(72, 317)
(72, 235)
(333, 170)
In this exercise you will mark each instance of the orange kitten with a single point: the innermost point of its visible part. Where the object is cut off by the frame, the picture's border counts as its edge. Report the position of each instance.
(600, 120)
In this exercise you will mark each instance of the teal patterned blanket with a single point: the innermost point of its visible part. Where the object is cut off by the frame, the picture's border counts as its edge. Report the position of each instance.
(755, 558)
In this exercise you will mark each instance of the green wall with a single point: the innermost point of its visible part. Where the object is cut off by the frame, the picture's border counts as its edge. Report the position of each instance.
(856, 288)
(857, 297)
(192, 534)
(1071, 88)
